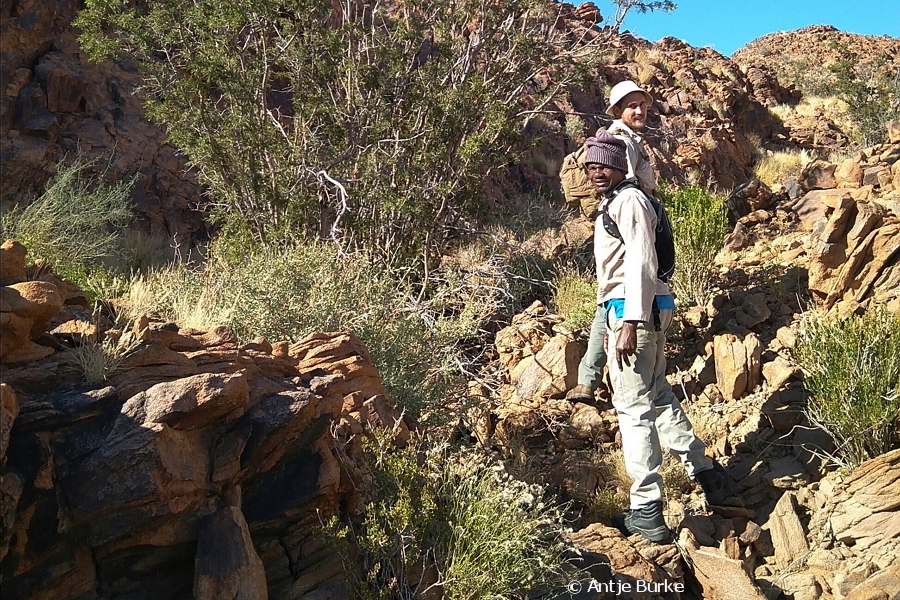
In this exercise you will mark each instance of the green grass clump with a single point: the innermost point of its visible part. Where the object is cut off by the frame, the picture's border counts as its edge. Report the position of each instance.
(75, 224)
(699, 224)
(852, 372)
(576, 298)
(483, 534)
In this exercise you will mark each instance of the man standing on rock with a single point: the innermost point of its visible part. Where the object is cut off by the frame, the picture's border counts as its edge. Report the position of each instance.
(628, 105)
(637, 308)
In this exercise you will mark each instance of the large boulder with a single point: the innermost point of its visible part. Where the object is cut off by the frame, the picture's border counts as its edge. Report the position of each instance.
(550, 372)
(12, 262)
(738, 363)
(26, 309)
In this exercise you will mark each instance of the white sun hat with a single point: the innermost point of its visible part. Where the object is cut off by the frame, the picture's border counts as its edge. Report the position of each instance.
(622, 89)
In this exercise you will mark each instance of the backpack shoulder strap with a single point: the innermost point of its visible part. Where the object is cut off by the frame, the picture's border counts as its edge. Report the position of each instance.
(608, 224)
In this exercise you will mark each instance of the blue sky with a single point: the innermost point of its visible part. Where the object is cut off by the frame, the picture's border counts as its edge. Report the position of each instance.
(726, 25)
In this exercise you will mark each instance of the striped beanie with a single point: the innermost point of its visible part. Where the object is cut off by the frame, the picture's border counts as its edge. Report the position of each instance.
(607, 150)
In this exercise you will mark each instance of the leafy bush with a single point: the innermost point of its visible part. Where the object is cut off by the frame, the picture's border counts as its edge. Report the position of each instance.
(75, 225)
(376, 125)
(287, 291)
(699, 224)
(871, 91)
(486, 535)
(852, 372)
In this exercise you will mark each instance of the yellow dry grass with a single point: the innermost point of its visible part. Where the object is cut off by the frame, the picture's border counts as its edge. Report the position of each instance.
(774, 168)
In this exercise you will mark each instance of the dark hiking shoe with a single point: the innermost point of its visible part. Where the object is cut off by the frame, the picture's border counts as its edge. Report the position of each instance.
(716, 484)
(580, 393)
(646, 520)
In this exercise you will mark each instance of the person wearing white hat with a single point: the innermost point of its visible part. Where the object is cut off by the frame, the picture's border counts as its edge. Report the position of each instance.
(628, 105)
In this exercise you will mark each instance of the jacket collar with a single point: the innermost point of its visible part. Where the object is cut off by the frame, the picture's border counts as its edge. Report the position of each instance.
(619, 125)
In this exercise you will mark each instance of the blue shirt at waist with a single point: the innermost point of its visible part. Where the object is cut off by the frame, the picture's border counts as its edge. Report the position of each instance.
(664, 302)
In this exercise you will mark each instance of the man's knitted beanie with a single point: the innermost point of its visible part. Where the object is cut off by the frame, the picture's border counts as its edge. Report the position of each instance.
(607, 150)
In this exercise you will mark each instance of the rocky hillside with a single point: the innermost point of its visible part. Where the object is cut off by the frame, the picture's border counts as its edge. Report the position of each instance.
(202, 467)
(705, 121)
(801, 58)
(709, 113)
(835, 244)
(57, 104)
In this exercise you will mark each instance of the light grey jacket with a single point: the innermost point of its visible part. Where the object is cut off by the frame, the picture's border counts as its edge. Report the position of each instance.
(627, 268)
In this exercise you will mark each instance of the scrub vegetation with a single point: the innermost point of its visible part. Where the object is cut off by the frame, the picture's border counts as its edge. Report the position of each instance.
(852, 370)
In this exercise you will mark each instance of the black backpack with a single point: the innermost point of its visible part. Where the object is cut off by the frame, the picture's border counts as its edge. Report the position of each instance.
(665, 241)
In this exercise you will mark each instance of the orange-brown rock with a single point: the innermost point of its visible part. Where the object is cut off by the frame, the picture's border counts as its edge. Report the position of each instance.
(9, 410)
(26, 309)
(719, 576)
(12, 262)
(192, 402)
(788, 535)
(550, 372)
(227, 564)
(525, 336)
(738, 363)
(609, 557)
(865, 511)
(35, 300)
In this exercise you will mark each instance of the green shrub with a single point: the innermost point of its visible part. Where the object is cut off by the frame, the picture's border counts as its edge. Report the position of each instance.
(488, 535)
(852, 372)
(75, 225)
(871, 91)
(378, 125)
(699, 224)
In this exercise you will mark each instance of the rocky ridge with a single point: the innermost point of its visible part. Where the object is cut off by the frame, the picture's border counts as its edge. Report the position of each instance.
(804, 55)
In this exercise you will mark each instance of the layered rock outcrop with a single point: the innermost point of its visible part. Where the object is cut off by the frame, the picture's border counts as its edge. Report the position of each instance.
(852, 210)
(201, 468)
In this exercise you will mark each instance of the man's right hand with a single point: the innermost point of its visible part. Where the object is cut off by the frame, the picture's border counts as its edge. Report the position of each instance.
(626, 343)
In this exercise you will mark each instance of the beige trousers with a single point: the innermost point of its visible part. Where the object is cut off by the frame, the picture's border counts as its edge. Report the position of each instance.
(650, 416)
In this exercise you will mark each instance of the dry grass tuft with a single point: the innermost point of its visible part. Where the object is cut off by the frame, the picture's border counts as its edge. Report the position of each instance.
(99, 360)
(576, 297)
(774, 168)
